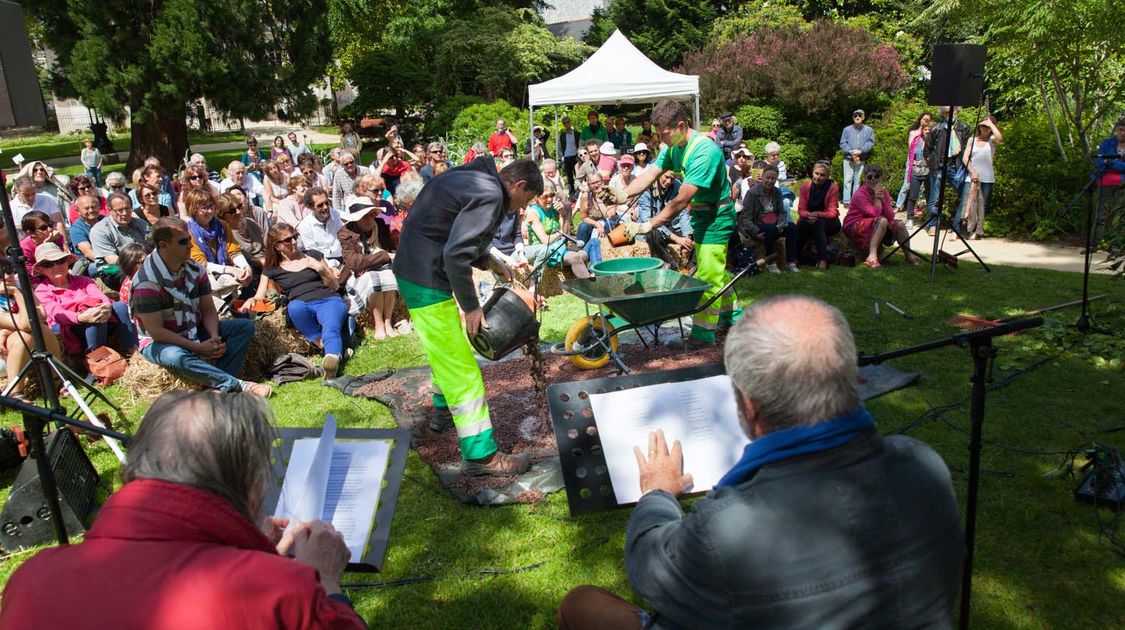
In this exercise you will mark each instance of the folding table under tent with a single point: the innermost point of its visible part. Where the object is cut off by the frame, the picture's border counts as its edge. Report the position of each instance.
(616, 73)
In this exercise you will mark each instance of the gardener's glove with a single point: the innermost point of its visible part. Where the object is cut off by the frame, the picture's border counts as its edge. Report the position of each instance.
(612, 195)
(633, 229)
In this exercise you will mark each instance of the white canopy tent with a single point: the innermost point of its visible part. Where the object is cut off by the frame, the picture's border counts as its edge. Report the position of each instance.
(616, 73)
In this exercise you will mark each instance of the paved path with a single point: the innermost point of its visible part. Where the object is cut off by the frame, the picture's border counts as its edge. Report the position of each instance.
(1002, 251)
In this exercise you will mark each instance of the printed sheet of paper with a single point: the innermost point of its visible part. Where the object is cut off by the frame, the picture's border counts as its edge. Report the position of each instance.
(337, 482)
(701, 414)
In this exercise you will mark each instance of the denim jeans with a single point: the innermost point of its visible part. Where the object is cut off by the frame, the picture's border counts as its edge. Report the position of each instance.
(220, 375)
(985, 189)
(95, 174)
(853, 177)
(936, 182)
(819, 230)
(770, 233)
(901, 199)
(593, 246)
(120, 324)
(324, 319)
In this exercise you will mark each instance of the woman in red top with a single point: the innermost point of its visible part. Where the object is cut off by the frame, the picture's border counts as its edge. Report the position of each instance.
(84, 185)
(870, 222)
(817, 211)
(394, 165)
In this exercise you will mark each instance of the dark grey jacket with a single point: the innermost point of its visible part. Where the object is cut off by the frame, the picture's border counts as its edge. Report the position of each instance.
(866, 535)
(449, 229)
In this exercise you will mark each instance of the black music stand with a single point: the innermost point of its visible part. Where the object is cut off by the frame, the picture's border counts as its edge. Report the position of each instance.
(585, 474)
(376, 548)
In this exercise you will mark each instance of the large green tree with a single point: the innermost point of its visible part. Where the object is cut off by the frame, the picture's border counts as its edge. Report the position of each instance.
(664, 30)
(151, 58)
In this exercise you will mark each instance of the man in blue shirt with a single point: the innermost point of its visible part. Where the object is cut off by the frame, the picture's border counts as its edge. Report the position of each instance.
(856, 142)
(88, 208)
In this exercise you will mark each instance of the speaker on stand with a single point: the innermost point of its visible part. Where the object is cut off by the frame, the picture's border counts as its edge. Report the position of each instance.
(25, 520)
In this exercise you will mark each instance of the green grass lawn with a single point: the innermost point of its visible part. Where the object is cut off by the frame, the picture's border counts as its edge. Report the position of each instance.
(1039, 562)
(46, 147)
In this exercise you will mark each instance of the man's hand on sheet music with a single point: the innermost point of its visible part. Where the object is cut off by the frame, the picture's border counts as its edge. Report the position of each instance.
(662, 470)
(320, 546)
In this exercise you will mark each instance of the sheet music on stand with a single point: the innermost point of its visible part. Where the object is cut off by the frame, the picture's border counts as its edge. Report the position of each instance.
(348, 477)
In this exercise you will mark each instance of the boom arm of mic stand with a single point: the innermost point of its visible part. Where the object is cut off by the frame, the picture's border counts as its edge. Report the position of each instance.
(60, 418)
(960, 339)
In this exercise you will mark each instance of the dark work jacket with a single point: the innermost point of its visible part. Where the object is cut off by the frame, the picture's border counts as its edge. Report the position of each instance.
(360, 256)
(865, 535)
(450, 227)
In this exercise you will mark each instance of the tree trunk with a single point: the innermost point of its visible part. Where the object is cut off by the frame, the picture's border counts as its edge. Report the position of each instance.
(163, 136)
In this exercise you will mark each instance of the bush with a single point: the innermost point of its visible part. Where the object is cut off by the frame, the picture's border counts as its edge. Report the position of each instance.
(760, 121)
(797, 154)
(477, 122)
(440, 121)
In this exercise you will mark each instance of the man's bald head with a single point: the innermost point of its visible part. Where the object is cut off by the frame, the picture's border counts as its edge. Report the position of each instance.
(794, 358)
(216, 442)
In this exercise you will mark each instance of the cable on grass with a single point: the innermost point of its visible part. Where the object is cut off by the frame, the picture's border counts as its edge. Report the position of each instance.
(476, 575)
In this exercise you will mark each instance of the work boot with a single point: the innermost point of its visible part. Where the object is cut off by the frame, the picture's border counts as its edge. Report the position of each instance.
(441, 419)
(691, 343)
(496, 465)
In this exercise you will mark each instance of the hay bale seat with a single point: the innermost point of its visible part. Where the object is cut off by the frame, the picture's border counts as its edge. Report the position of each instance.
(146, 381)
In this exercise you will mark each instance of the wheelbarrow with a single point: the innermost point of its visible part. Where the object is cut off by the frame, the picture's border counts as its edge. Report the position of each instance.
(638, 300)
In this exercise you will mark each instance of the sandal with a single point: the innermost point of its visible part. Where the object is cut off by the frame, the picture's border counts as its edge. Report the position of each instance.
(873, 264)
(912, 261)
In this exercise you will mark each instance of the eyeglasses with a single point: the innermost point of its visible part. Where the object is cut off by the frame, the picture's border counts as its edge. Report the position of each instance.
(148, 195)
(84, 187)
(872, 178)
(287, 239)
(195, 177)
(41, 228)
(347, 163)
(50, 264)
(324, 205)
(237, 207)
(39, 169)
(206, 207)
(628, 166)
(183, 241)
(117, 186)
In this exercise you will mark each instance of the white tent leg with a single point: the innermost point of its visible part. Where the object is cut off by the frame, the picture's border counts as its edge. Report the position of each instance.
(530, 132)
(697, 111)
(558, 150)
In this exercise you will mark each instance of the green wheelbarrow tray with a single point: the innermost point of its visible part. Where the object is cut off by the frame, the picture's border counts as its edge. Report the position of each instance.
(649, 296)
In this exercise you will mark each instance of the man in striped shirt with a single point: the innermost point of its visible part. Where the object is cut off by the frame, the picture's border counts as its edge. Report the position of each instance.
(181, 331)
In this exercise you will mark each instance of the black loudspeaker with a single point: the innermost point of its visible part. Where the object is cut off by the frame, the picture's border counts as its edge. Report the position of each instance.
(25, 520)
(958, 75)
(21, 98)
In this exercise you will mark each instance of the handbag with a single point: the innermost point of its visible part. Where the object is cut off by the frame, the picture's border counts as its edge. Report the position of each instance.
(920, 169)
(106, 365)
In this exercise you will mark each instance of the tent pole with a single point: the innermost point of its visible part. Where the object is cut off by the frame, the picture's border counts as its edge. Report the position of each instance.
(531, 131)
(697, 110)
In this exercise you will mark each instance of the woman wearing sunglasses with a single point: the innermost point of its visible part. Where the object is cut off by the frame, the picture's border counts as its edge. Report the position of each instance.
(39, 230)
(193, 178)
(213, 245)
(870, 222)
(312, 287)
(77, 309)
(80, 186)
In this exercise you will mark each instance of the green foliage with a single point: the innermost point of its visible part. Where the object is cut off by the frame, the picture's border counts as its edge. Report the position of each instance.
(754, 15)
(442, 116)
(663, 30)
(477, 122)
(797, 154)
(760, 120)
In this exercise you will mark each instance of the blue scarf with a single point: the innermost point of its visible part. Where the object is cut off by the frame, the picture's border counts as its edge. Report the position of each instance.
(797, 441)
(216, 233)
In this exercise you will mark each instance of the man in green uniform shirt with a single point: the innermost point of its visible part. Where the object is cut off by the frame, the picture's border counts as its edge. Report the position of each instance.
(706, 191)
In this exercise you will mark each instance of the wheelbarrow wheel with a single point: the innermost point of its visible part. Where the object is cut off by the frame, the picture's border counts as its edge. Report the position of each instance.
(589, 332)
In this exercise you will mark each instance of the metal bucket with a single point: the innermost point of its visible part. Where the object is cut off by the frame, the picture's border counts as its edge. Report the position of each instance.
(511, 323)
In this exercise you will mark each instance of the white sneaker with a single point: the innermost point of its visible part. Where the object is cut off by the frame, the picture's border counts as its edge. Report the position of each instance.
(909, 224)
(930, 231)
(772, 268)
(792, 267)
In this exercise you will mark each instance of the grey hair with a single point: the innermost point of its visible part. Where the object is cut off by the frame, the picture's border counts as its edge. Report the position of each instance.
(794, 357)
(118, 196)
(772, 147)
(548, 163)
(435, 146)
(115, 176)
(407, 191)
(215, 442)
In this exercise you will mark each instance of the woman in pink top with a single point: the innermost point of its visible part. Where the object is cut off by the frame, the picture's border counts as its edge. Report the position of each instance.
(39, 230)
(870, 222)
(77, 308)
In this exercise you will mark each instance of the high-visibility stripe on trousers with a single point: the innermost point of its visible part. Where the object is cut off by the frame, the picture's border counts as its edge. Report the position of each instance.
(457, 379)
(711, 267)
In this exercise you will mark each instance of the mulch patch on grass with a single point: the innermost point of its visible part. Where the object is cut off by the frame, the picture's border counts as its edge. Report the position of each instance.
(520, 423)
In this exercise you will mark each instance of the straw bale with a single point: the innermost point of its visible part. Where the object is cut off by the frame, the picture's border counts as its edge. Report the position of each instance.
(109, 293)
(272, 339)
(146, 381)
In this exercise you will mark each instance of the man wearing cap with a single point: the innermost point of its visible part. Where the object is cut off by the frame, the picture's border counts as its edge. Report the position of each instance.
(448, 231)
(590, 166)
(607, 160)
(502, 139)
(571, 143)
(595, 130)
(706, 190)
(621, 137)
(856, 142)
(730, 134)
(625, 173)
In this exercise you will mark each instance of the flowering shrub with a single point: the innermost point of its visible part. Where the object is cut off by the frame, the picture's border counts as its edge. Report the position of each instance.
(813, 70)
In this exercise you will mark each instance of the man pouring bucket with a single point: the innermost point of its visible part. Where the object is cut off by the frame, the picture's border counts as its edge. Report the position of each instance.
(448, 231)
(706, 191)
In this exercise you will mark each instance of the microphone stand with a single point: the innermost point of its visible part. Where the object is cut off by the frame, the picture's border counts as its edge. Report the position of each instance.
(1084, 324)
(983, 353)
